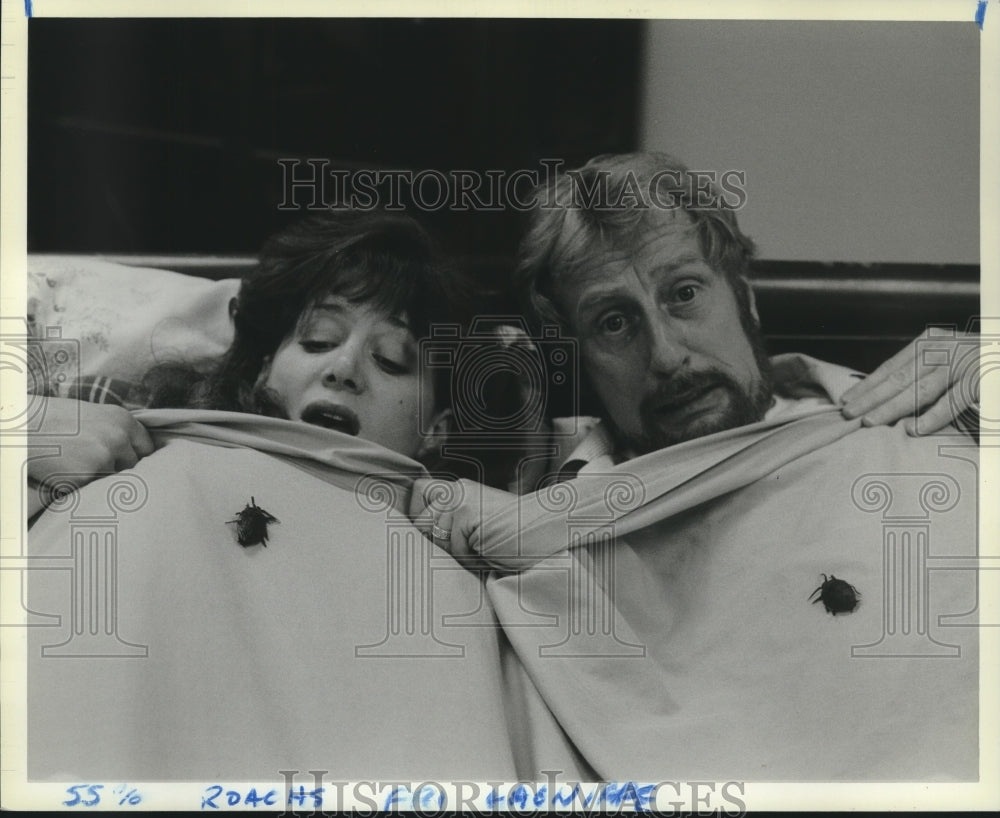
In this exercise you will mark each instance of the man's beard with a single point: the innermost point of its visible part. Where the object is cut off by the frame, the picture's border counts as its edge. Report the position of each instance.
(743, 406)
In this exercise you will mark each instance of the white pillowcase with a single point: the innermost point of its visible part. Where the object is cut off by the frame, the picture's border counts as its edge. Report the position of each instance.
(99, 318)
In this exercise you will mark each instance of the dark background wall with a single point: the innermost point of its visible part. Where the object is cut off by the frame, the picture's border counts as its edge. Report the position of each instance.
(152, 136)
(164, 135)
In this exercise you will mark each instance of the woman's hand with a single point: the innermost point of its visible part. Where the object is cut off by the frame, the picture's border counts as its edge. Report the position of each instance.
(935, 379)
(450, 514)
(83, 441)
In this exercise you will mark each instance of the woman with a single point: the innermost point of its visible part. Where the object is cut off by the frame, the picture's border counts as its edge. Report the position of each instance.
(292, 651)
(326, 330)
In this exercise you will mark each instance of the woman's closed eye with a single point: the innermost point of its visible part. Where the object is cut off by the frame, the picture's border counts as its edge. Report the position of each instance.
(390, 366)
(316, 346)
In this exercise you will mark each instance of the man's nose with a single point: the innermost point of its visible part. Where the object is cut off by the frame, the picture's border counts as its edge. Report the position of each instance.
(667, 348)
(341, 369)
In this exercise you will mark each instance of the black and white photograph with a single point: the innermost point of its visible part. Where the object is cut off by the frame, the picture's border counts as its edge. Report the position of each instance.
(499, 413)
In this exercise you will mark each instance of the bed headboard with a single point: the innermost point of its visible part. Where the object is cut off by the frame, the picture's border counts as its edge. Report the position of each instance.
(857, 315)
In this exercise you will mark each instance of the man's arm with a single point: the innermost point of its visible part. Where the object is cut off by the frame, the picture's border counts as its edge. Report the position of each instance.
(936, 390)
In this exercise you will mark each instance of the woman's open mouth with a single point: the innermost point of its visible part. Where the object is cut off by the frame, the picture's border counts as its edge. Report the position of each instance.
(332, 416)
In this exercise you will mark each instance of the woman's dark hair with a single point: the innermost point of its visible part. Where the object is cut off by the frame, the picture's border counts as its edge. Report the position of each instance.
(384, 260)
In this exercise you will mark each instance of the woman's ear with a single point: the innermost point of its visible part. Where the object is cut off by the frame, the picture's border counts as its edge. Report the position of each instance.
(437, 435)
(265, 372)
(751, 301)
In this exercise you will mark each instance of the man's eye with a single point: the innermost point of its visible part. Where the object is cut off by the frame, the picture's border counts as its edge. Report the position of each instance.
(391, 366)
(685, 293)
(614, 323)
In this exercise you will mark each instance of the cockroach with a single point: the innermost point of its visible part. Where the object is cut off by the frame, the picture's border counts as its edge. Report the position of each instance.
(836, 595)
(251, 524)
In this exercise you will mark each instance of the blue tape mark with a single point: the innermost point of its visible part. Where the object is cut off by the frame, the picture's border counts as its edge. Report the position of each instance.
(27, 9)
(981, 13)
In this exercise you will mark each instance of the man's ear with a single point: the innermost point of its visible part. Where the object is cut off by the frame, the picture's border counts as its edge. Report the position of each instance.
(232, 308)
(438, 433)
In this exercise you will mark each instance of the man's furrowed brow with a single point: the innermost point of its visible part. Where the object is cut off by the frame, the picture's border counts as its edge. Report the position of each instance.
(675, 264)
(597, 298)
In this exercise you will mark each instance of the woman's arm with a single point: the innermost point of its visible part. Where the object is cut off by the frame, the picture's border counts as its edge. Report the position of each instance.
(81, 442)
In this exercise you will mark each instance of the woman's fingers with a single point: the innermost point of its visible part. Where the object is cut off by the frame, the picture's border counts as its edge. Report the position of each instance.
(451, 514)
(418, 506)
(432, 511)
(89, 440)
(142, 442)
(442, 534)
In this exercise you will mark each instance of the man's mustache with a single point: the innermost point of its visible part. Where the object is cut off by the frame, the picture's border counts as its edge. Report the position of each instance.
(683, 387)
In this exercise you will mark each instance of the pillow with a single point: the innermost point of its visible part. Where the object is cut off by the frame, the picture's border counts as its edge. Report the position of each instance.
(92, 319)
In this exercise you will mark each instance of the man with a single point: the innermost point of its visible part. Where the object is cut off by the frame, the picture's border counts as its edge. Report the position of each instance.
(655, 291)
(649, 274)
(726, 551)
